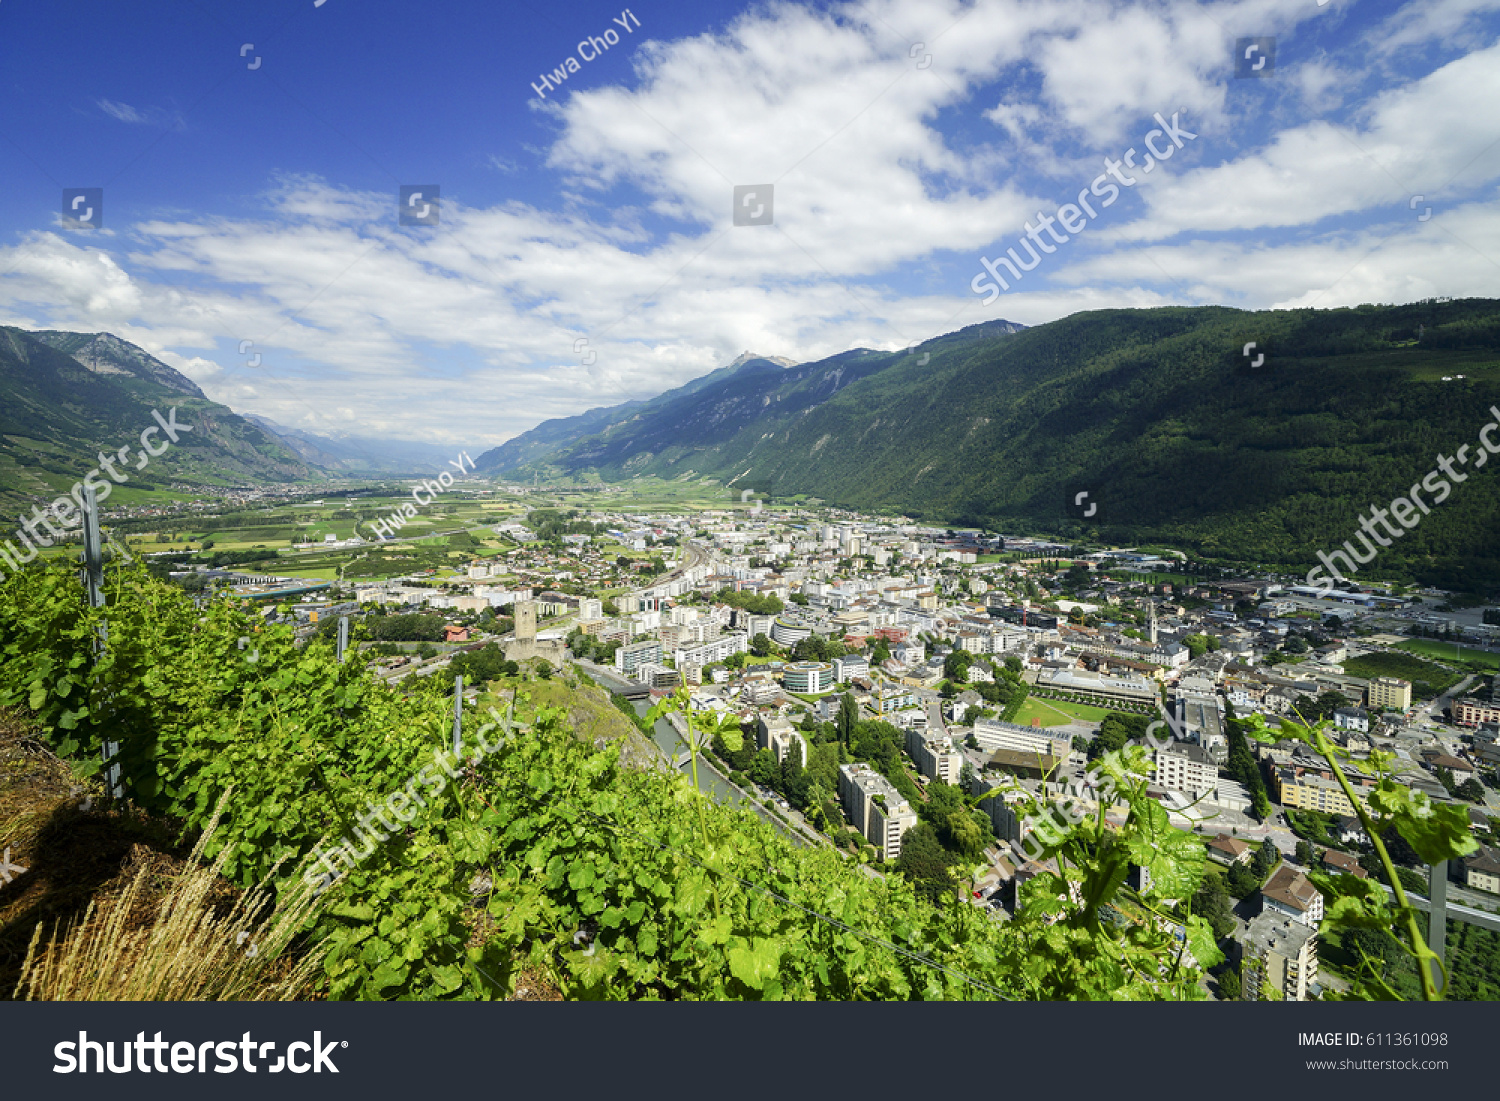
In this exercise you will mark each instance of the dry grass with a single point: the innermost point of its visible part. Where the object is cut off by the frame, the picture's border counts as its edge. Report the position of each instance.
(192, 943)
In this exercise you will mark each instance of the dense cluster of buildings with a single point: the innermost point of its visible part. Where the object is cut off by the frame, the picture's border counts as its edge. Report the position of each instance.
(896, 601)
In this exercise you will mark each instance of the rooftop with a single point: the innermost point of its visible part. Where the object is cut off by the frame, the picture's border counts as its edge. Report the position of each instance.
(1290, 888)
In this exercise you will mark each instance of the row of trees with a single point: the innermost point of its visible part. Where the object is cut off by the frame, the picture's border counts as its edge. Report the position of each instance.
(1243, 769)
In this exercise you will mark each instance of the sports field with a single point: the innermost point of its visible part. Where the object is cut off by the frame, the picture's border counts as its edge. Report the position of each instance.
(1447, 651)
(1058, 712)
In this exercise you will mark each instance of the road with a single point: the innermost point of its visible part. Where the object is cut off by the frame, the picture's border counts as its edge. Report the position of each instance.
(1436, 707)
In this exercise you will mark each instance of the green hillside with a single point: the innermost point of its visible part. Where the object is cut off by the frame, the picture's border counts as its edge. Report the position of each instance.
(1157, 413)
(67, 397)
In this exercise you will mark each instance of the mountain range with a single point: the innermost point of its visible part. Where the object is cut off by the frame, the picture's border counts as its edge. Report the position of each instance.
(357, 454)
(68, 398)
(1259, 436)
(549, 437)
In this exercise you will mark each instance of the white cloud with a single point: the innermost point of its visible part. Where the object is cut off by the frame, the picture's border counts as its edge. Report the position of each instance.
(1410, 139)
(159, 117)
(466, 333)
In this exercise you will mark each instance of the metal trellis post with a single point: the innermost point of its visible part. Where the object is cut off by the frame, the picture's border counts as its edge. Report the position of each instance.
(458, 712)
(93, 579)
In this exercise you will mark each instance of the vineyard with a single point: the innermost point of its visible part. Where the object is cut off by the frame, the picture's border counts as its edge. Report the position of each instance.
(545, 853)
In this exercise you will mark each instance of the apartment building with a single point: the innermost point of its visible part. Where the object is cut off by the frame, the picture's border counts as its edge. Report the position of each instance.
(1392, 692)
(776, 733)
(1280, 960)
(630, 657)
(847, 667)
(1005, 808)
(894, 699)
(876, 809)
(1302, 788)
(1481, 870)
(1186, 767)
(1352, 718)
(1475, 712)
(718, 649)
(1200, 721)
(934, 754)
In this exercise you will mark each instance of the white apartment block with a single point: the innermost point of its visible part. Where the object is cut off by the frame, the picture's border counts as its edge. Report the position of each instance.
(1186, 767)
(846, 667)
(777, 734)
(875, 808)
(629, 658)
(993, 734)
(934, 754)
(706, 653)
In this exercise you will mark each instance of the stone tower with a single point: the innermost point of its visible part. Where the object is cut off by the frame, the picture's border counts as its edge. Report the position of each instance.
(526, 620)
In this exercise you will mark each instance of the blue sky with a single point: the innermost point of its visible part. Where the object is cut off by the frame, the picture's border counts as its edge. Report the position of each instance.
(251, 156)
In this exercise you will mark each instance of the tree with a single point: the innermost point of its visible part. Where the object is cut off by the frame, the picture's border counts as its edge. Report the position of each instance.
(1266, 858)
(763, 768)
(1212, 902)
(761, 646)
(925, 863)
(1229, 986)
(1471, 790)
(956, 666)
(1306, 854)
(848, 716)
(1241, 881)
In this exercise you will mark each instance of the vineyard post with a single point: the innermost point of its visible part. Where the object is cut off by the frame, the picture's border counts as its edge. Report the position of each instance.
(343, 636)
(93, 579)
(1437, 916)
(458, 713)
